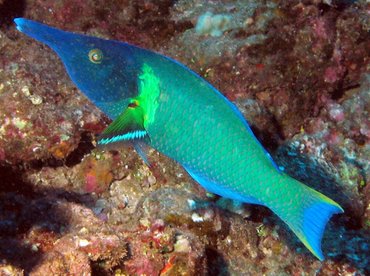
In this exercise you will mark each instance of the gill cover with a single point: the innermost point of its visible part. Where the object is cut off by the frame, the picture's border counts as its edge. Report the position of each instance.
(140, 112)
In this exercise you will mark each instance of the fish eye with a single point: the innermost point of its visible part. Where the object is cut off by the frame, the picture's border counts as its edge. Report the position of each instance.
(96, 56)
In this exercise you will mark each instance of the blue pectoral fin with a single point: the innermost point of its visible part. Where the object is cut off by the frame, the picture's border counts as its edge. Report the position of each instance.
(221, 190)
(141, 149)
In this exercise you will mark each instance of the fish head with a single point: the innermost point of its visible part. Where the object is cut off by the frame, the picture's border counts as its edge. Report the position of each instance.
(104, 70)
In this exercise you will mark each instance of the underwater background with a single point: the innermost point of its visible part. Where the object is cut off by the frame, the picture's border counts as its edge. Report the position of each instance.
(298, 71)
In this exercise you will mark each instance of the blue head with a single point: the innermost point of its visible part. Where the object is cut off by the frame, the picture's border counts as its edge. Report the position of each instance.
(106, 71)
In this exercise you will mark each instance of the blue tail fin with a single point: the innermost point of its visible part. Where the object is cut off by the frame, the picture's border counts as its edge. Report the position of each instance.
(315, 218)
(317, 209)
(307, 214)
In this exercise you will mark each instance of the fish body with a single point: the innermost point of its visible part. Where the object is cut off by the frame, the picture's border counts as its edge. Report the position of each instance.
(155, 100)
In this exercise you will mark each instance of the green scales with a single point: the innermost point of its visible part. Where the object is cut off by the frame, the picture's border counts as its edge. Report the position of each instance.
(155, 100)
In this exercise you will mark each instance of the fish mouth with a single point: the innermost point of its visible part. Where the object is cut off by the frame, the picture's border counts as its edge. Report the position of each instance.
(21, 23)
(38, 31)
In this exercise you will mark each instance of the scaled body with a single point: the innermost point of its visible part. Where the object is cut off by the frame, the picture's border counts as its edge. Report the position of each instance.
(156, 100)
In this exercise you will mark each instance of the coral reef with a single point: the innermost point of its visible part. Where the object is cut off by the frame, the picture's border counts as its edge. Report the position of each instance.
(299, 72)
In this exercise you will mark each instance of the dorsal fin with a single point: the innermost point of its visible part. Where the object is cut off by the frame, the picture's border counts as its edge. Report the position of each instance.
(129, 126)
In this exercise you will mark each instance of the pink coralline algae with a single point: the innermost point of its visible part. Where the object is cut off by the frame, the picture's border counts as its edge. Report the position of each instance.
(96, 173)
(333, 74)
(320, 28)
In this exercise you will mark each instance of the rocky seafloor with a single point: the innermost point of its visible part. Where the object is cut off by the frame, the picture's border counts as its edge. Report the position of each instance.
(298, 70)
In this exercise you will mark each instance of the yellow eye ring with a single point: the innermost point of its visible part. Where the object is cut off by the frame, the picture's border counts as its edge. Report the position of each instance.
(96, 56)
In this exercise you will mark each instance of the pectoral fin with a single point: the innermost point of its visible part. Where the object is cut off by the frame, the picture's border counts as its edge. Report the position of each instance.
(129, 126)
(142, 149)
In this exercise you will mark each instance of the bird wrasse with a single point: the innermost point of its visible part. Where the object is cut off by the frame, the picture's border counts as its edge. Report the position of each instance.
(157, 101)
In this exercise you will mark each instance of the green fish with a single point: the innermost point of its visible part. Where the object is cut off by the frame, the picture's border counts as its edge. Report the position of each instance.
(157, 101)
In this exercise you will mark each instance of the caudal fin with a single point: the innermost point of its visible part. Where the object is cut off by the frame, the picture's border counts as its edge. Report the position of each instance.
(310, 217)
(315, 217)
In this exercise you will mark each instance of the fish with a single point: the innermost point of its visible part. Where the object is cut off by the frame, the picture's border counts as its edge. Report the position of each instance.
(156, 101)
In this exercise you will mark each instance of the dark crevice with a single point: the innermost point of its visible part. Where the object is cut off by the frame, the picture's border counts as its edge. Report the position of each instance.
(341, 5)
(258, 213)
(267, 143)
(216, 264)
(340, 91)
(9, 10)
(38, 164)
(324, 8)
(181, 27)
(23, 208)
(270, 141)
(84, 147)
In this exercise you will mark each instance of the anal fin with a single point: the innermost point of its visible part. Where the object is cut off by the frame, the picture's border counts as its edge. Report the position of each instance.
(221, 190)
